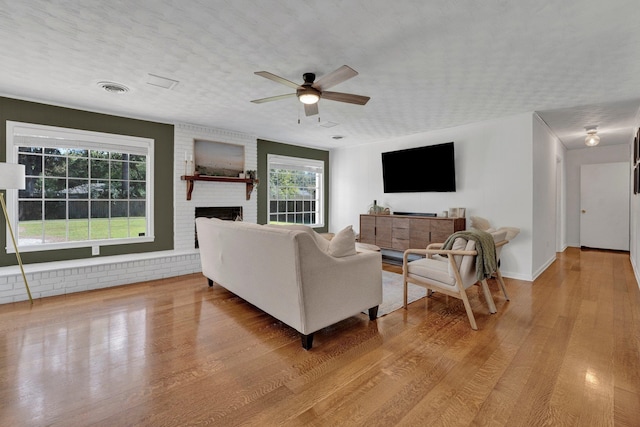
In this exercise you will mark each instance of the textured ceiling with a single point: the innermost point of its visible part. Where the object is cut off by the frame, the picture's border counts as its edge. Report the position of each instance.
(426, 65)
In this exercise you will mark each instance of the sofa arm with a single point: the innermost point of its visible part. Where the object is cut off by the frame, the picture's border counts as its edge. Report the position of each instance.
(336, 288)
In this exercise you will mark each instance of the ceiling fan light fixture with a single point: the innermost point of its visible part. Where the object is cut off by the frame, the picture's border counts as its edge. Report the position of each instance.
(592, 138)
(307, 94)
(309, 98)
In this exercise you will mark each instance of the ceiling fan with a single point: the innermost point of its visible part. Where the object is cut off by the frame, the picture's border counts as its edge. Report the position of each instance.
(310, 92)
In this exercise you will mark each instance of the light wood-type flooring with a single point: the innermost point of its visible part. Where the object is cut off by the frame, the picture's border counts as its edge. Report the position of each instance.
(565, 351)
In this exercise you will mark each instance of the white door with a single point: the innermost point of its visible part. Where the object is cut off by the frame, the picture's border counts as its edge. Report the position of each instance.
(604, 202)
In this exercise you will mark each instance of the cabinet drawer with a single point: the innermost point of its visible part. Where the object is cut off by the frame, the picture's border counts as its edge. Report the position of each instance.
(442, 226)
(401, 222)
(401, 244)
(401, 233)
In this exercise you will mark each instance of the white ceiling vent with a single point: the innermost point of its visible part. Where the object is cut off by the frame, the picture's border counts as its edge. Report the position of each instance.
(328, 124)
(113, 87)
(160, 81)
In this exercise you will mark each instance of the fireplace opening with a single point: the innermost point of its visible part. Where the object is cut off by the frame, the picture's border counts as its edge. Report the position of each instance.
(227, 213)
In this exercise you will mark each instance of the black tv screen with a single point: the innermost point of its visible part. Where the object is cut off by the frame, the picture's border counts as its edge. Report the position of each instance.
(423, 169)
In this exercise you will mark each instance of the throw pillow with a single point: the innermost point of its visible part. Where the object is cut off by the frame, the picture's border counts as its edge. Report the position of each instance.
(479, 223)
(343, 244)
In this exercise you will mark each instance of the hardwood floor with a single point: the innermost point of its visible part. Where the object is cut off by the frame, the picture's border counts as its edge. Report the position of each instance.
(565, 351)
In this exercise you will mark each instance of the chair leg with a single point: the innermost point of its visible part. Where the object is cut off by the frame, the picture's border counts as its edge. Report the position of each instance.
(487, 296)
(406, 293)
(467, 307)
(501, 282)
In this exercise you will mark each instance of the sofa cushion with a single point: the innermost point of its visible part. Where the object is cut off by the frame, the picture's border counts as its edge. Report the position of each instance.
(321, 241)
(343, 243)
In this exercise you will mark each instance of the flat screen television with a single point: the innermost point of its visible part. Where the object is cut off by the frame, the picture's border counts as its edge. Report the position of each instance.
(423, 169)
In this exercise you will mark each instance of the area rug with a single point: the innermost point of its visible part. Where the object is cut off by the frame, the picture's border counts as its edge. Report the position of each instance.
(393, 293)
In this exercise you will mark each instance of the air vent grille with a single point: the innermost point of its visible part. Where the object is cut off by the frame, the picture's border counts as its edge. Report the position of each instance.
(113, 87)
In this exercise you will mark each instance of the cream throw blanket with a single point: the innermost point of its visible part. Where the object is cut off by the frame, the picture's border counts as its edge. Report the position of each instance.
(485, 246)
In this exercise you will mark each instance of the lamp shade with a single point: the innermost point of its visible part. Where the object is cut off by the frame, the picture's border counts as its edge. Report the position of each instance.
(12, 176)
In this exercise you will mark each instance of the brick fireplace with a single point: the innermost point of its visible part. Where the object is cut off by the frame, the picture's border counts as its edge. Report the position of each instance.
(227, 213)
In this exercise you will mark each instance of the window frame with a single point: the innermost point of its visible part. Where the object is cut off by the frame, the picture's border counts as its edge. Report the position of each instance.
(80, 139)
(300, 164)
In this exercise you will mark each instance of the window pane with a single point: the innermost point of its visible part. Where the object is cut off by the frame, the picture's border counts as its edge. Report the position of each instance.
(99, 228)
(78, 168)
(99, 209)
(55, 231)
(32, 164)
(30, 150)
(55, 188)
(33, 189)
(137, 209)
(119, 209)
(55, 210)
(137, 190)
(137, 171)
(30, 211)
(117, 170)
(99, 154)
(78, 210)
(119, 156)
(78, 189)
(78, 229)
(99, 169)
(99, 189)
(137, 226)
(119, 189)
(119, 228)
(74, 152)
(55, 166)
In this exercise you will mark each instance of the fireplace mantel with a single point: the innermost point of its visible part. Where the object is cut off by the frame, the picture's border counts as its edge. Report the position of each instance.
(191, 179)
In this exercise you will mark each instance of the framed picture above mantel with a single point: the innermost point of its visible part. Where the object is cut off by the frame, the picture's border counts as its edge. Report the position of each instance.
(220, 159)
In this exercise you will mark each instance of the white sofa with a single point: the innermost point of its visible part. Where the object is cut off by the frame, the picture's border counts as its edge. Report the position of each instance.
(291, 274)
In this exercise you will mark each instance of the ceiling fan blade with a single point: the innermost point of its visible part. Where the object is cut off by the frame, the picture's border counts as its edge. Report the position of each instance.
(311, 109)
(346, 97)
(277, 79)
(273, 98)
(338, 76)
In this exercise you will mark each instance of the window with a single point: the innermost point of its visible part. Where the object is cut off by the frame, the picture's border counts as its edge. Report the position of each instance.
(295, 188)
(82, 188)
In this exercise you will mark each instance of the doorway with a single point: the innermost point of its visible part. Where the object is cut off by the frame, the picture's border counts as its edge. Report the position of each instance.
(604, 206)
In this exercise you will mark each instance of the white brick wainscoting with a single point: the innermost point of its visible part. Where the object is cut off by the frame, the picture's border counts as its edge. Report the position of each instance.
(59, 278)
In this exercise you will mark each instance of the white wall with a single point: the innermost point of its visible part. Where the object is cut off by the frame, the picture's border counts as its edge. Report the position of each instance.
(494, 180)
(548, 161)
(575, 159)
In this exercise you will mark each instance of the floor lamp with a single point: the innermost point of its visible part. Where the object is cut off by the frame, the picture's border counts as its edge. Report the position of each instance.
(12, 178)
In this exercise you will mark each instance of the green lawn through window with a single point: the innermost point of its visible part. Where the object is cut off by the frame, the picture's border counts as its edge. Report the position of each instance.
(103, 228)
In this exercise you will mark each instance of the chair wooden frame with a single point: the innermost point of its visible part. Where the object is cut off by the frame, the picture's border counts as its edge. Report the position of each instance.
(456, 291)
(498, 274)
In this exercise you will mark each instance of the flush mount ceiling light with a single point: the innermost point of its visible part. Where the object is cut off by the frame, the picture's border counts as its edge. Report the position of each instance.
(592, 138)
(113, 87)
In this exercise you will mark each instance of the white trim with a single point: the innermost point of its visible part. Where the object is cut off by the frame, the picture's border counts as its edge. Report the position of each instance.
(90, 140)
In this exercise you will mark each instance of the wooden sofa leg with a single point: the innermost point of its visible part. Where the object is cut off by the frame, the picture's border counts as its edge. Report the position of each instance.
(373, 313)
(307, 341)
(210, 282)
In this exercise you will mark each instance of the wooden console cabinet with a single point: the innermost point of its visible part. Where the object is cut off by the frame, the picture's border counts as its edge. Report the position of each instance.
(401, 232)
